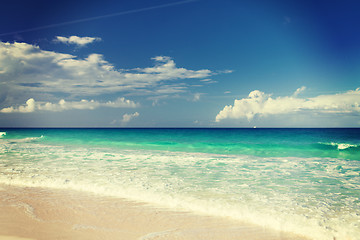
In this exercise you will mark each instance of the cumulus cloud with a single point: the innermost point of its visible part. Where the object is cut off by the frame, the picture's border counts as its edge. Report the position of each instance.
(261, 104)
(31, 105)
(25, 67)
(128, 117)
(28, 107)
(79, 41)
(165, 68)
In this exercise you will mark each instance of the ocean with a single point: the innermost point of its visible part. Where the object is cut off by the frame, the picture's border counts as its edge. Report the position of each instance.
(304, 181)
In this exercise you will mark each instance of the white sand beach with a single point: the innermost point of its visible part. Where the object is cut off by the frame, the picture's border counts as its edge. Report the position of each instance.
(39, 213)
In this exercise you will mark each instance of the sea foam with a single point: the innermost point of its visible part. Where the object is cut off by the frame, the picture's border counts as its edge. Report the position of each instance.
(281, 193)
(341, 146)
(313, 195)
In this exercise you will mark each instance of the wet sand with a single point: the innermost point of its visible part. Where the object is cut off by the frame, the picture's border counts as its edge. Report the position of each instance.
(42, 213)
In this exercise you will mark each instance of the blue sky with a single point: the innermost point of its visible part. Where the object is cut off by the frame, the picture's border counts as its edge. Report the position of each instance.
(180, 64)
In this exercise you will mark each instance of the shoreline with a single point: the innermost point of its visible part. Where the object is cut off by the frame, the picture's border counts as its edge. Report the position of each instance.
(44, 213)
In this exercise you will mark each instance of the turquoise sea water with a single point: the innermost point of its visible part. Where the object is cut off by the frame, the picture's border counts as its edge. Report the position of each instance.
(304, 181)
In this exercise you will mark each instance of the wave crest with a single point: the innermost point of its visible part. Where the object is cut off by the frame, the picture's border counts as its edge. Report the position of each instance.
(23, 140)
(341, 146)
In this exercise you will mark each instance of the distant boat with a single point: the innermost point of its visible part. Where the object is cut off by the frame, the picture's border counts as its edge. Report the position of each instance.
(254, 127)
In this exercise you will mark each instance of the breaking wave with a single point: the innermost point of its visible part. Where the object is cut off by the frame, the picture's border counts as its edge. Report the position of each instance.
(341, 146)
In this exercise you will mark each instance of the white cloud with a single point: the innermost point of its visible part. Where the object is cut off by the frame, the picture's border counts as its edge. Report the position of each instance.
(79, 41)
(28, 107)
(299, 90)
(165, 68)
(208, 81)
(128, 117)
(226, 71)
(27, 68)
(32, 106)
(197, 97)
(261, 104)
(157, 100)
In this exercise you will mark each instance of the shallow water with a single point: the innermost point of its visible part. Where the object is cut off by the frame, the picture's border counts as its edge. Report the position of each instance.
(297, 180)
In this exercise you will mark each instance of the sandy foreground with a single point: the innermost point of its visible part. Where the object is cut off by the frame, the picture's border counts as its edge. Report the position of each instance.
(41, 213)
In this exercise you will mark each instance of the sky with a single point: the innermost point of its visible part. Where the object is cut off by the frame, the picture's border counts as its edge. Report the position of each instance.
(192, 63)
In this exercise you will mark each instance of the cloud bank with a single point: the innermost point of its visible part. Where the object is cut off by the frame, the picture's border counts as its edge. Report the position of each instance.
(79, 41)
(261, 104)
(31, 105)
(29, 71)
(25, 67)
